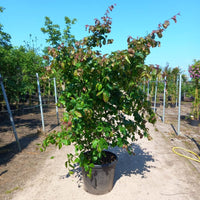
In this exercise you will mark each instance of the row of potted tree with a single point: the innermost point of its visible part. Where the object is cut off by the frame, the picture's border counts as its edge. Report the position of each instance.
(189, 91)
(194, 71)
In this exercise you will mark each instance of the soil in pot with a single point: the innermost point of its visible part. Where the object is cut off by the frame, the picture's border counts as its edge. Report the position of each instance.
(101, 181)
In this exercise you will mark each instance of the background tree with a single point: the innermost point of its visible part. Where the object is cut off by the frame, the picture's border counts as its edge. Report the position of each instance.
(56, 39)
(4, 37)
(18, 66)
(194, 71)
(55, 36)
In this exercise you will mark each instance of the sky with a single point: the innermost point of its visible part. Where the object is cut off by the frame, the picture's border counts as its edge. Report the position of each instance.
(180, 44)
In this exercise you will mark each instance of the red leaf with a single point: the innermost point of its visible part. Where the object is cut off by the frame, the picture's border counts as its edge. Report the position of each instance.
(129, 38)
(86, 26)
(174, 18)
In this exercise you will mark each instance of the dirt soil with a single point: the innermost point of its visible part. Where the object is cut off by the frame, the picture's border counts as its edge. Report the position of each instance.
(155, 172)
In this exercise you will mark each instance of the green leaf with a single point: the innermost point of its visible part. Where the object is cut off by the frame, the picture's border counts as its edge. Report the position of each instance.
(86, 167)
(99, 128)
(145, 134)
(90, 173)
(76, 160)
(99, 92)
(139, 54)
(119, 142)
(106, 78)
(106, 96)
(99, 154)
(91, 165)
(79, 107)
(66, 142)
(122, 130)
(94, 143)
(95, 158)
(99, 86)
(99, 148)
(60, 145)
(52, 141)
(69, 94)
(78, 64)
(71, 172)
(127, 59)
(78, 114)
(72, 166)
(109, 86)
(52, 157)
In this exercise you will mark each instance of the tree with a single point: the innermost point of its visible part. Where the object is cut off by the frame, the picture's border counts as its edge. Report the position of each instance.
(101, 92)
(4, 37)
(17, 66)
(55, 37)
(194, 71)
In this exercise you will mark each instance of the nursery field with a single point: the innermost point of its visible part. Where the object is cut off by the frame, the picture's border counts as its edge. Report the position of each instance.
(189, 137)
(17, 168)
(186, 129)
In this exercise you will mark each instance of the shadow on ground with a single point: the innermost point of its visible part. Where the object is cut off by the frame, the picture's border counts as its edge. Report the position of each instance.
(195, 142)
(132, 164)
(127, 165)
(8, 151)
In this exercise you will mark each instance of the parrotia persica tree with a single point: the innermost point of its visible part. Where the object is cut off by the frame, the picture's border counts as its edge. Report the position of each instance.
(101, 92)
(194, 71)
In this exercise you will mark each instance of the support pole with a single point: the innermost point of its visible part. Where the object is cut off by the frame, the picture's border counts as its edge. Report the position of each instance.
(10, 113)
(164, 97)
(179, 107)
(40, 100)
(56, 100)
(177, 91)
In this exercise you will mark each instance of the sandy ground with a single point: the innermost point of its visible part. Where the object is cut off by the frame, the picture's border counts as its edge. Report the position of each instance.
(154, 173)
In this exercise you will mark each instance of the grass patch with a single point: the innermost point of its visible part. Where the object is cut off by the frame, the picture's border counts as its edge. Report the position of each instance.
(156, 129)
(14, 189)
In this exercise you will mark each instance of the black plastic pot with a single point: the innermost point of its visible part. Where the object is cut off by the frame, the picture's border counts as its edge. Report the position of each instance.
(194, 122)
(157, 104)
(172, 105)
(102, 178)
